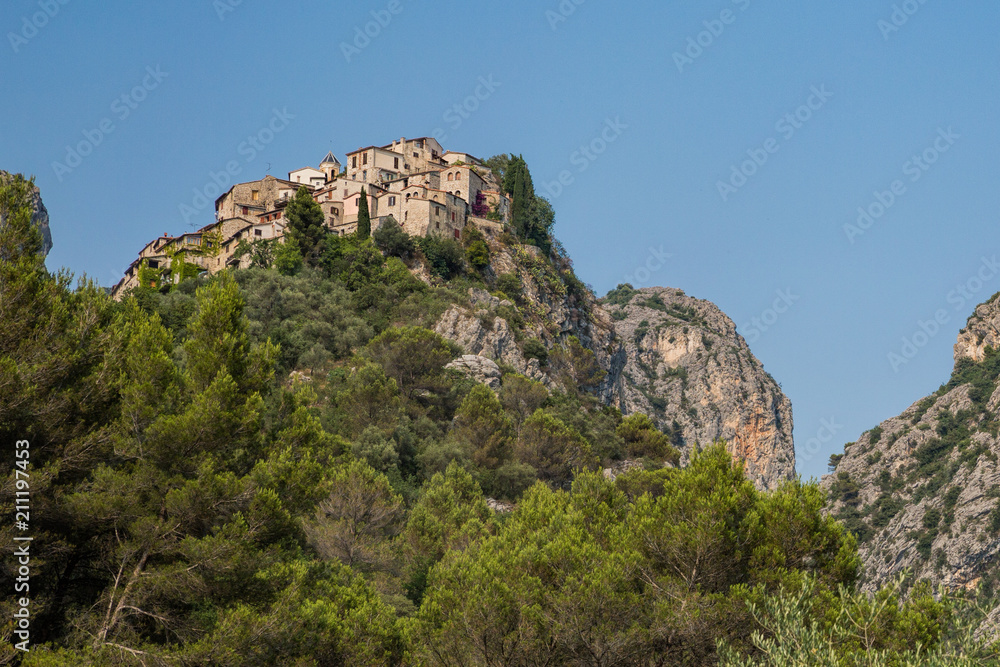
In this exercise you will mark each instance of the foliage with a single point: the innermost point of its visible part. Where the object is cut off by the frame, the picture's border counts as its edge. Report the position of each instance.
(605, 574)
(393, 240)
(364, 217)
(643, 439)
(807, 625)
(304, 218)
(261, 252)
(621, 295)
(445, 257)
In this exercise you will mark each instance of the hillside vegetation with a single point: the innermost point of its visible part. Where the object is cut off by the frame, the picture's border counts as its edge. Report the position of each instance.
(276, 467)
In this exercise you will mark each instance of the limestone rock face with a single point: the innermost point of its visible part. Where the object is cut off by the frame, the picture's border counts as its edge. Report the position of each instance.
(687, 368)
(922, 490)
(39, 217)
(675, 358)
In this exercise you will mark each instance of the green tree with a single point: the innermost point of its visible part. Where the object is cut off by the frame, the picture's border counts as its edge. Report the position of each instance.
(449, 515)
(553, 449)
(370, 399)
(288, 257)
(304, 216)
(482, 424)
(393, 240)
(642, 438)
(364, 217)
(445, 258)
(359, 519)
(414, 357)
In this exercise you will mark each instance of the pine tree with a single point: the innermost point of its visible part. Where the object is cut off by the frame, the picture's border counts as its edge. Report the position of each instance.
(364, 218)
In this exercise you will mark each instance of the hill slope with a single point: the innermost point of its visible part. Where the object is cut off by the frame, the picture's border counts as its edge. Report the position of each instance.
(922, 490)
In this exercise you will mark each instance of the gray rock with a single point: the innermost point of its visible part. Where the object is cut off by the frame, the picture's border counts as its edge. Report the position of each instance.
(479, 368)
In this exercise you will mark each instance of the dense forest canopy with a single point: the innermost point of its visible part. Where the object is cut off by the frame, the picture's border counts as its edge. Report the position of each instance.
(275, 467)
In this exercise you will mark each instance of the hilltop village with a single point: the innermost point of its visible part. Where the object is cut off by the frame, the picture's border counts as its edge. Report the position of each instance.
(410, 182)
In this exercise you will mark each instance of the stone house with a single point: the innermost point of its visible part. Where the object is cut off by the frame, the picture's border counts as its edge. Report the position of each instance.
(249, 200)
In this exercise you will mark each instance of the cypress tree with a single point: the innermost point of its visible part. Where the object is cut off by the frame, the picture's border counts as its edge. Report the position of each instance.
(364, 218)
(305, 224)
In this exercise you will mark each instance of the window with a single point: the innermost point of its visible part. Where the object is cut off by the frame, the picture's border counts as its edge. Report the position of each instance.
(246, 210)
(258, 232)
(416, 155)
(364, 159)
(458, 234)
(154, 264)
(458, 176)
(453, 216)
(419, 144)
(451, 176)
(406, 214)
(395, 163)
(392, 201)
(255, 195)
(345, 192)
(354, 162)
(437, 225)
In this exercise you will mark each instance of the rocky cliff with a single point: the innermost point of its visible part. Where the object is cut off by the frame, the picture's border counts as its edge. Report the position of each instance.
(655, 351)
(922, 490)
(40, 216)
(687, 367)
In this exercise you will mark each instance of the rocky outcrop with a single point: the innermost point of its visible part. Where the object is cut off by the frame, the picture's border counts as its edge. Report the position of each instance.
(922, 490)
(480, 369)
(685, 366)
(675, 358)
(40, 216)
(982, 331)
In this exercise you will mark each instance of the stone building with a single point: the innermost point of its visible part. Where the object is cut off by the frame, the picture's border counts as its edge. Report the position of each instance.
(249, 200)
(422, 187)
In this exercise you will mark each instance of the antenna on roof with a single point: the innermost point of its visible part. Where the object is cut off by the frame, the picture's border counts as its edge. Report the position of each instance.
(268, 168)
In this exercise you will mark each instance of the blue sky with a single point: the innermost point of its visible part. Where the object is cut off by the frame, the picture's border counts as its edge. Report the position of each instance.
(164, 95)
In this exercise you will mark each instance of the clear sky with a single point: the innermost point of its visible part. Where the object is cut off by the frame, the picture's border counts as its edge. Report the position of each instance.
(646, 106)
